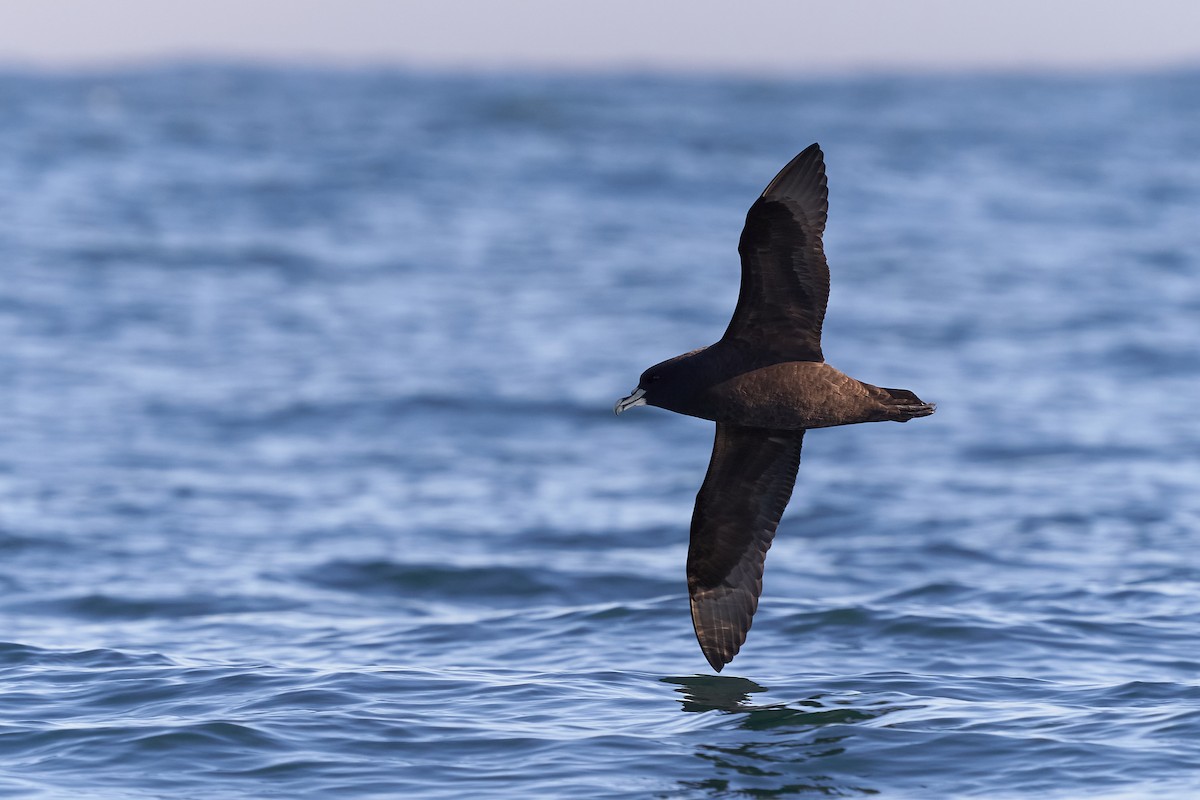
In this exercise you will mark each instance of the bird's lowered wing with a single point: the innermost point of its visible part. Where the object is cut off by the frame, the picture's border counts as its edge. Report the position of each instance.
(785, 280)
(749, 482)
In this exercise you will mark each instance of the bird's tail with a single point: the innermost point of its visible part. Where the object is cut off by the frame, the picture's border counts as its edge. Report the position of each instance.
(902, 405)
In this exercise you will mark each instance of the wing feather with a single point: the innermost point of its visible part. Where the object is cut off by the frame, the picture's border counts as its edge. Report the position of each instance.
(785, 279)
(748, 485)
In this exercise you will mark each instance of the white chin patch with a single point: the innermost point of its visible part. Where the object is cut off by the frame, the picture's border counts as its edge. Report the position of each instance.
(638, 398)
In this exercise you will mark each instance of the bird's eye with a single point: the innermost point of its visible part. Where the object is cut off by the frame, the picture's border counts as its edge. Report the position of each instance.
(653, 378)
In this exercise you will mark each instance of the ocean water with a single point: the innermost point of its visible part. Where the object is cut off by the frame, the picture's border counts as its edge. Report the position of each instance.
(310, 484)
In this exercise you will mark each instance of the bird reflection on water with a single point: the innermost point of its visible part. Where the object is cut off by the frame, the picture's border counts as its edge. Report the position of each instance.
(809, 746)
(732, 695)
(715, 693)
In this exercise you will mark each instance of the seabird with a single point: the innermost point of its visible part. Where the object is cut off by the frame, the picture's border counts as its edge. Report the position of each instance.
(764, 383)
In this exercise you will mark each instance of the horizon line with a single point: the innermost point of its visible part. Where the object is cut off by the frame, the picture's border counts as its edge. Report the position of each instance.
(614, 68)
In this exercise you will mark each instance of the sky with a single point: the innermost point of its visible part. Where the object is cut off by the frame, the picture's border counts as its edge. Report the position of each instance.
(761, 36)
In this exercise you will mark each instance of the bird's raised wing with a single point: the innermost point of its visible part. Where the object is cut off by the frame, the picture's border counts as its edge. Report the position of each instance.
(749, 482)
(785, 280)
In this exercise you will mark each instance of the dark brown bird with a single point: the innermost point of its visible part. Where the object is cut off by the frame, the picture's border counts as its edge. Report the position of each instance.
(764, 383)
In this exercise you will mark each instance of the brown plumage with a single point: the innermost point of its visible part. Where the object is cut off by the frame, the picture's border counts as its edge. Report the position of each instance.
(764, 383)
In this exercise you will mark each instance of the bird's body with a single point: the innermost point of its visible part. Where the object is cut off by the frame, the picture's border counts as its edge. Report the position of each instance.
(727, 384)
(764, 383)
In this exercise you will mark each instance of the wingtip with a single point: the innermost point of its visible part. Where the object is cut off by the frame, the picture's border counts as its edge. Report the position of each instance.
(718, 647)
(715, 660)
(803, 178)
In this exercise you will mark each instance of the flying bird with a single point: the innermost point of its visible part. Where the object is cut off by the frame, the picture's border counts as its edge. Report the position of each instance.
(764, 383)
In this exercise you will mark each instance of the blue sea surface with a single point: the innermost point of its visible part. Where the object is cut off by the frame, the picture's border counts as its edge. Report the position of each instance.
(310, 485)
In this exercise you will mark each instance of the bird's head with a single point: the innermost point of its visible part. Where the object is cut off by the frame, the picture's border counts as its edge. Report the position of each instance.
(661, 385)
